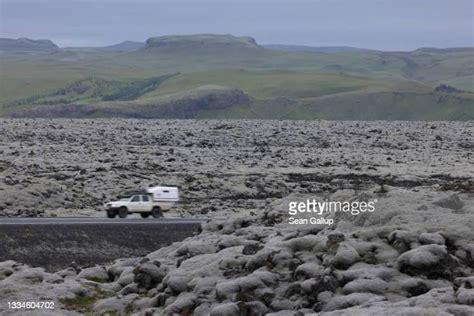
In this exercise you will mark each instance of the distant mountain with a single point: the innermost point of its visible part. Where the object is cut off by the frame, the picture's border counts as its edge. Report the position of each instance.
(201, 42)
(314, 49)
(125, 46)
(26, 45)
(445, 50)
(337, 49)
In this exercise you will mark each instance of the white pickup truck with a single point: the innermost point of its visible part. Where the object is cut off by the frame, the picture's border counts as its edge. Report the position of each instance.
(149, 201)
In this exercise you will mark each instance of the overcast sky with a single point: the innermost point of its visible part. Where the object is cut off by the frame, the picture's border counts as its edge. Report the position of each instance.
(379, 24)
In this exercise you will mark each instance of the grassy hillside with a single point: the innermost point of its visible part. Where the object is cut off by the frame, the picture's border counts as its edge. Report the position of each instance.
(187, 104)
(357, 106)
(91, 90)
(322, 83)
(272, 84)
(25, 77)
(228, 103)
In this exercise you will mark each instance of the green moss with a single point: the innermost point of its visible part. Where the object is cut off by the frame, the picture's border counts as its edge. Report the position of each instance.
(128, 309)
(81, 304)
(84, 303)
(97, 279)
(7, 291)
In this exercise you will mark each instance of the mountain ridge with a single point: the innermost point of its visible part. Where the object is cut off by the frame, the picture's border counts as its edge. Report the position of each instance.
(155, 41)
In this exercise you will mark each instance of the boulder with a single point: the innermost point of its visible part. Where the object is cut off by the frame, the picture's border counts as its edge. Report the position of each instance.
(452, 202)
(115, 305)
(432, 238)
(403, 240)
(345, 301)
(255, 308)
(308, 270)
(97, 274)
(226, 309)
(425, 260)
(374, 285)
(149, 275)
(193, 248)
(177, 283)
(183, 305)
(27, 276)
(345, 256)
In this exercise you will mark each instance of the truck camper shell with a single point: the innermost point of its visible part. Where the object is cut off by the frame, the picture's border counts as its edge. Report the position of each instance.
(164, 194)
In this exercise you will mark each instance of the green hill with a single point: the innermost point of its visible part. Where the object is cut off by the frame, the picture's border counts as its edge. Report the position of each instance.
(332, 84)
(187, 104)
(92, 90)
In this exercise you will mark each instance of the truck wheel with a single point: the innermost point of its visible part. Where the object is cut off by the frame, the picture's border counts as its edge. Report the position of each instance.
(123, 212)
(156, 212)
(111, 213)
(145, 215)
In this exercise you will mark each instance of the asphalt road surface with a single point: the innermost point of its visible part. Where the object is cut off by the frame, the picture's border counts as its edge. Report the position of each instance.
(55, 242)
(95, 220)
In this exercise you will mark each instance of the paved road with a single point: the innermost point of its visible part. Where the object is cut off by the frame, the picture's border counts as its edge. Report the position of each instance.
(55, 242)
(95, 220)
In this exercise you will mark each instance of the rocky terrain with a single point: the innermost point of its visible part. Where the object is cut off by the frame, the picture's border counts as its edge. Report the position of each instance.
(414, 255)
(222, 167)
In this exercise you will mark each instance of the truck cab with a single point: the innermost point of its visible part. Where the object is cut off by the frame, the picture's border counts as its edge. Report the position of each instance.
(150, 201)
